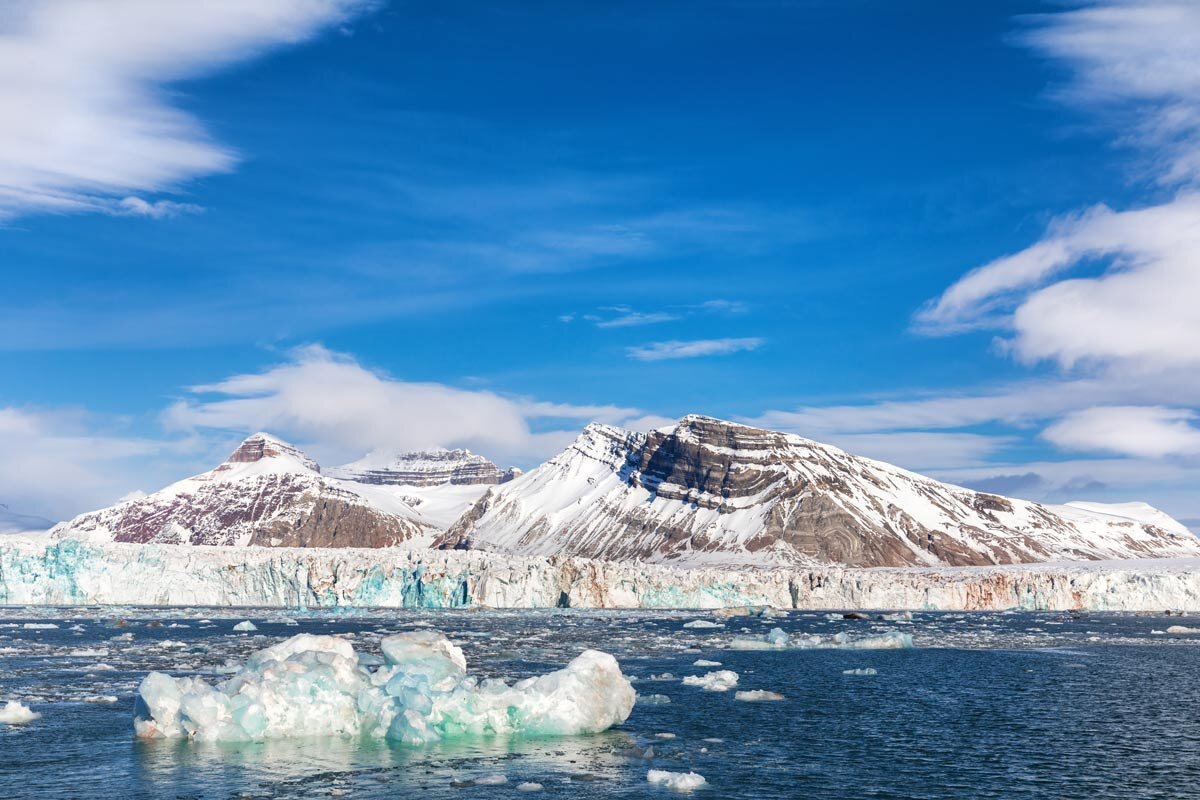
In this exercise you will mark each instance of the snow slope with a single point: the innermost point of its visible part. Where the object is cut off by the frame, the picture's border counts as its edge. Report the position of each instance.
(708, 491)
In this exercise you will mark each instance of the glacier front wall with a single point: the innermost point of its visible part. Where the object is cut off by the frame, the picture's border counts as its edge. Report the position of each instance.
(39, 571)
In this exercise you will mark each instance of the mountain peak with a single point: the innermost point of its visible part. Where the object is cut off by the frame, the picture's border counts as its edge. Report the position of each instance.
(259, 446)
(433, 467)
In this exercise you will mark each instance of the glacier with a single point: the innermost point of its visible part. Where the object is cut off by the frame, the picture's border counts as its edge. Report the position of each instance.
(312, 685)
(40, 570)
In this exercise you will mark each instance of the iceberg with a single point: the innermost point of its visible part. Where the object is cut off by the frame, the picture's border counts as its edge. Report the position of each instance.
(313, 685)
(245, 626)
(860, 671)
(778, 639)
(758, 696)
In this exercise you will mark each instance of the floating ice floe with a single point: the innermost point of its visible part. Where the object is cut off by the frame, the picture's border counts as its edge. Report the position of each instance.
(778, 639)
(15, 712)
(245, 625)
(860, 671)
(704, 662)
(676, 781)
(720, 681)
(529, 786)
(1182, 629)
(39, 626)
(703, 624)
(312, 685)
(653, 700)
(758, 696)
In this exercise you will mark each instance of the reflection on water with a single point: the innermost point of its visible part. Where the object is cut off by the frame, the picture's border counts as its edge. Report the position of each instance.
(363, 767)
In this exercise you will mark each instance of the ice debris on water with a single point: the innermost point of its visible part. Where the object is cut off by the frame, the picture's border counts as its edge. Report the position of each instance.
(758, 696)
(245, 625)
(15, 712)
(529, 786)
(779, 639)
(676, 781)
(860, 671)
(704, 662)
(720, 681)
(1182, 629)
(653, 700)
(704, 624)
(495, 779)
(311, 685)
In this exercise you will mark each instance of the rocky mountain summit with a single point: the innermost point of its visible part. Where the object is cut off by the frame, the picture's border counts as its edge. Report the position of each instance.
(425, 468)
(701, 492)
(706, 491)
(267, 492)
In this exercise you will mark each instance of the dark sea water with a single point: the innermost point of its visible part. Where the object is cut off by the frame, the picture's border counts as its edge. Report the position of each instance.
(986, 705)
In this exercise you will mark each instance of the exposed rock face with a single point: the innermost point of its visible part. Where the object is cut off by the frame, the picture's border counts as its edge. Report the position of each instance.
(426, 468)
(266, 493)
(713, 492)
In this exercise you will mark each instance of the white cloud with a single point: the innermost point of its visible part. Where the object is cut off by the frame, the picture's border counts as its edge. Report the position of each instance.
(84, 117)
(333, 405)
(627, 318)
(1143, 431)
(159, 209)
(1144, 310)
(58, 463)
(660, 351)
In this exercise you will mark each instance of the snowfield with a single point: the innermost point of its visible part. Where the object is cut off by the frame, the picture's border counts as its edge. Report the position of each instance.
(40, 570)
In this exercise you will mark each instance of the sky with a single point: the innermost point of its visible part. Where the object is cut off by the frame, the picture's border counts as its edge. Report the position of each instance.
(959, 237)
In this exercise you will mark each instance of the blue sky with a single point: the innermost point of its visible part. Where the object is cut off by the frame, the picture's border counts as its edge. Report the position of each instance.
(384, 225)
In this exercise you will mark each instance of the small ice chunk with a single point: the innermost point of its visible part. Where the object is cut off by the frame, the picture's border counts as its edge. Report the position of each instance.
(664, 735)
(39, 626)
(1182, 629)
(17, 713)
(529, 786)
(675, 781)
(106, 699)
(495, 779)
(245, 625)
(720, 681)
(781, 640)
(758, 696)
(89, 653)
(704, 624)
(860, 671)
(653, 700)
(704, 662)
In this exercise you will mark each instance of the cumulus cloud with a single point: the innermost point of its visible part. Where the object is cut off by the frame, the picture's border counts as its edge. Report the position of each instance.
(661, 351)
(333, 405)
(84, 116)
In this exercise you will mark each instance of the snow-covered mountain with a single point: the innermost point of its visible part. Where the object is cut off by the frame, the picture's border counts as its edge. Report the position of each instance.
(708, 491)
(12, 522)
(425, 468)
(266, 493)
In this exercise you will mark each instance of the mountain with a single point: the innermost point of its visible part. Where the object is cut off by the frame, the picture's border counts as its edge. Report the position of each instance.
(266, 493)
(440, 484)
(708, 491)
(12, 522)
(425, 468)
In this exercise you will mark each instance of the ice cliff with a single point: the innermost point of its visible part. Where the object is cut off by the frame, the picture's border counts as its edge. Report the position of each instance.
(46, 571)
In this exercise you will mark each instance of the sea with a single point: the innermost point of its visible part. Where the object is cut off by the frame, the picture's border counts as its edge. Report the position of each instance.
(984, 705)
